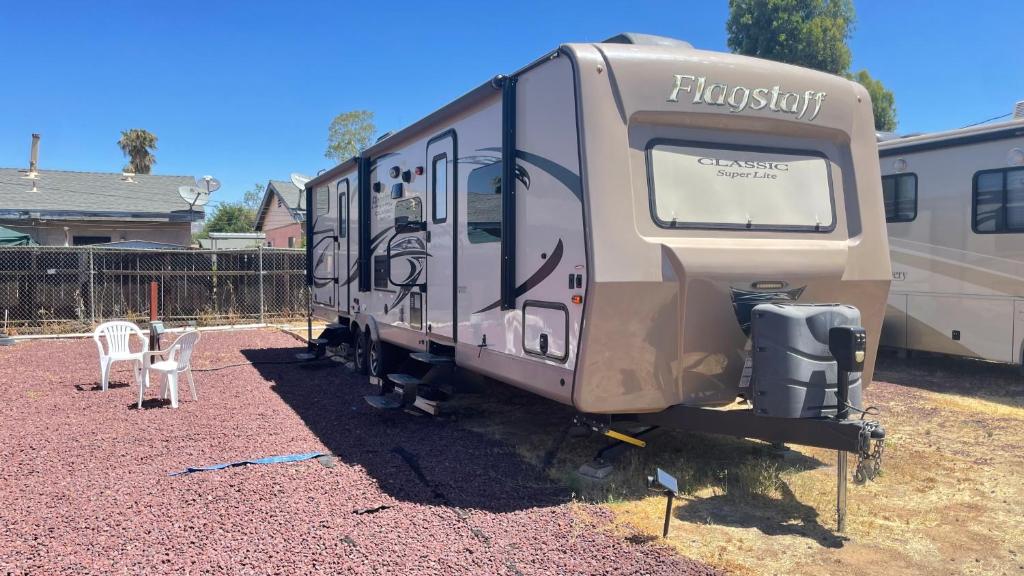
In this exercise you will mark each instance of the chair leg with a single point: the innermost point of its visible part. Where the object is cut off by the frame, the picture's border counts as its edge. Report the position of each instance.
(172, 386)
(142, 388)
(192, 382)
(104, 373)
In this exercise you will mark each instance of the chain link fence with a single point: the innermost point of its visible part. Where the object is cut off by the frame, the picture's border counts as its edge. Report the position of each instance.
(51, 290)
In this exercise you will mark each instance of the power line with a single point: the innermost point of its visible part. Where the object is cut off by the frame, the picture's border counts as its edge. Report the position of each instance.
(989, 120)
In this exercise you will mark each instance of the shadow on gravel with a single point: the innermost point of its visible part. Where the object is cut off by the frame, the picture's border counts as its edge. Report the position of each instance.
(97, 387)
(413, 458)
(990, 381)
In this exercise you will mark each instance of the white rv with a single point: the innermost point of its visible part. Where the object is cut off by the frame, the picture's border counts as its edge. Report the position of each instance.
(598, 226)
(954, 203)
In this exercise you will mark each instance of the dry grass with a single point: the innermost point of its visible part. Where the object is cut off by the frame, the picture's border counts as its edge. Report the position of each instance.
(949, 501)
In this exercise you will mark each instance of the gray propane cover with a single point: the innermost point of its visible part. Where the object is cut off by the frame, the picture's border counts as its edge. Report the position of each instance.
(794, 374)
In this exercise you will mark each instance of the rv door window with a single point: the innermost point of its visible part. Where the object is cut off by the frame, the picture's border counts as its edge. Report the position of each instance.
(716, 186)
(483, 219)
(343, 208)
(999, 201)
(439, 188)
(899, 192)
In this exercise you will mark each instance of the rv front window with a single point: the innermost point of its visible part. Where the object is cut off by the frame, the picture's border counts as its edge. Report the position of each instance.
(716, 186)
(483, 210)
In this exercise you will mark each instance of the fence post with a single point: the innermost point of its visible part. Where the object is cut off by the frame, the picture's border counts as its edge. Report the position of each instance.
(260, 253)
(92, 290)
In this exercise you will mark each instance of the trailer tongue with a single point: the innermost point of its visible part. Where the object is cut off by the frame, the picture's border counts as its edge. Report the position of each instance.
(805, 380)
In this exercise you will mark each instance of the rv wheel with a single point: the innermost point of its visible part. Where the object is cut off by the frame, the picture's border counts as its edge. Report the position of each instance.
(376, 358)
(362, 341)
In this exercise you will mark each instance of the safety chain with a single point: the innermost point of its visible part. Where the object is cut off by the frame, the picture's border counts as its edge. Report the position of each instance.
(869, 457)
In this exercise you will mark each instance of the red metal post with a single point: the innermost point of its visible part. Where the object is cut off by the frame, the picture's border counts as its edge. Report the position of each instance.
(153, 302)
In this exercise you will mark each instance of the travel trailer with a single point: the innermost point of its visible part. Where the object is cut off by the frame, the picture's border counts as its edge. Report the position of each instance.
(607, 227)
(954, 203)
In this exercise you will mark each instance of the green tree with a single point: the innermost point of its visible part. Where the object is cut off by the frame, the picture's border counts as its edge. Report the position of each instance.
(349, 133)
(229, 217)
(138, 145)
(253, 197)
(809, 33)
(883, 103)
(235, 216)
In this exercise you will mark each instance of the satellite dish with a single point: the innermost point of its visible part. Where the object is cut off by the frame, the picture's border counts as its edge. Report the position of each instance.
(194, 195)
(210, 183)
(299, 180)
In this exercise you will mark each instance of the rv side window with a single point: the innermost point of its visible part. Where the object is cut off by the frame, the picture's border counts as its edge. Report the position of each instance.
(439, 188)
(483, 220)
(998, 200)
(701, 185)
(899, 192)
(409, 210)
(323, 200)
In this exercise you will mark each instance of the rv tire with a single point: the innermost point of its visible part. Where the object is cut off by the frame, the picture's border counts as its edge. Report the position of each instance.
(375, 358)
(361, 352)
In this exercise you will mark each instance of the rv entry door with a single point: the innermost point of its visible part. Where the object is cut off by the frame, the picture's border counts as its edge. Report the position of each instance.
(441, 193)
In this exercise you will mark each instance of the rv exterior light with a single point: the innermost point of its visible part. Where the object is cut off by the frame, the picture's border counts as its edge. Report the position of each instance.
(376, 187)
(900, 164)
(407, 176)
(419, 170)
(577, 299)
(670, 487)
(768, 285)
(394, 171)
(1015, 157)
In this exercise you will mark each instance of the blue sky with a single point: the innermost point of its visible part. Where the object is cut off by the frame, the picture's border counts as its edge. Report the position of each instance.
(245, 90)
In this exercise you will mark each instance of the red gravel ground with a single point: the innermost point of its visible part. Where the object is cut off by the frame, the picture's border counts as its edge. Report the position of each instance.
(84, 485)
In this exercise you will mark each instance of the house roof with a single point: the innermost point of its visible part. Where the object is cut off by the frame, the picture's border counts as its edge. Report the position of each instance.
(63, 194)
(291, 196)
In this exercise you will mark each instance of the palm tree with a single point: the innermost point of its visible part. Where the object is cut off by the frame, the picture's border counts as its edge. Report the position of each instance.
(138, 145)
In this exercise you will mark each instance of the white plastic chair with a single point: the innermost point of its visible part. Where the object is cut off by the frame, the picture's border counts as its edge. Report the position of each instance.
(178, 359)
(118, 336)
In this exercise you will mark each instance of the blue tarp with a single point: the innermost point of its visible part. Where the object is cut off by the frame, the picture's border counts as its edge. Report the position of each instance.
(267, 460)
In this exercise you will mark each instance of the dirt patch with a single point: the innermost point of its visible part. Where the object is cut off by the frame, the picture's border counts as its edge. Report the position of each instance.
(948, 502)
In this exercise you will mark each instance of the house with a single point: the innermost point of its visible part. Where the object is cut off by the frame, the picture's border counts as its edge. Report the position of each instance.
(65, 208)
(282, 215)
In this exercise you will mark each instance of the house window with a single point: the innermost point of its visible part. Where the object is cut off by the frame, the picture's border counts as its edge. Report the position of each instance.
(899, 193)
(86, 240)
(483, 205)
(439, 188)
(998, 201)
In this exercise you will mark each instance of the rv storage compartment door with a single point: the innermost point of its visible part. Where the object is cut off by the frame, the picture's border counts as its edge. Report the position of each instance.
(795, 375)
(546, 329)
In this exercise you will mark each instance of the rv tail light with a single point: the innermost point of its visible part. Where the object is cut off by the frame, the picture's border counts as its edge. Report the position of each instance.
(577, 299)
(768, 285)
(419, 170)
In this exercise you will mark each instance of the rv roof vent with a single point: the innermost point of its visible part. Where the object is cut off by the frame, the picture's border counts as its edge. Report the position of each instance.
(385, 135)
(1018, 110)
(646, 40)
